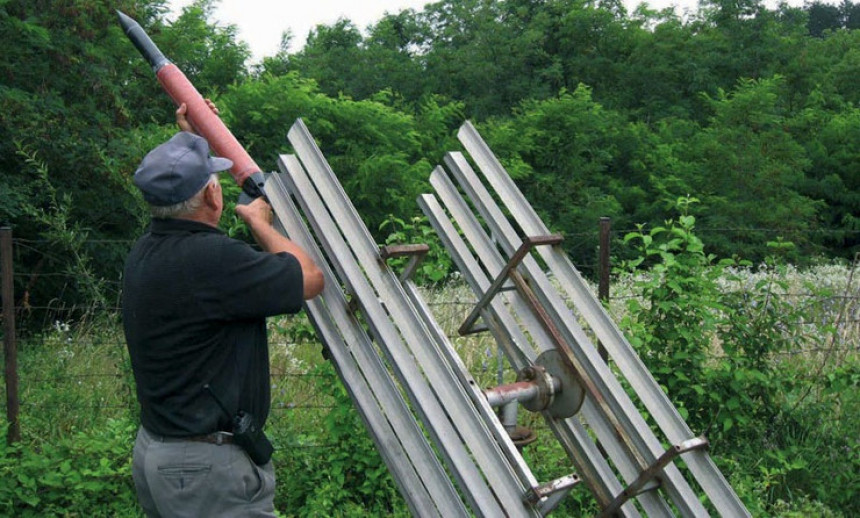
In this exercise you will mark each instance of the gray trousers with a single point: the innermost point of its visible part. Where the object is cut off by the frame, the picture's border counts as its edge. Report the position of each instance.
(185, 479)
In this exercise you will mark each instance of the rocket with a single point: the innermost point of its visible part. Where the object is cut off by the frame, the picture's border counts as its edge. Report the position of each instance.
(245, 171)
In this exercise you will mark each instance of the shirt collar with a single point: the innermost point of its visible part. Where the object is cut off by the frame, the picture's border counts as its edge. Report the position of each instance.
(178, 226)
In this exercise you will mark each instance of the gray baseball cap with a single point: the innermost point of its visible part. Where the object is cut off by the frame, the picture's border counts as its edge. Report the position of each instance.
(176, 170)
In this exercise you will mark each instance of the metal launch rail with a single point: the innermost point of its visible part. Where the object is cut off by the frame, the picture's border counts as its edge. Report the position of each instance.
(451, 446)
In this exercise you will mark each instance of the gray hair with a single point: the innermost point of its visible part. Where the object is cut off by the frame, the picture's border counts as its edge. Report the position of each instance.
(183, 208)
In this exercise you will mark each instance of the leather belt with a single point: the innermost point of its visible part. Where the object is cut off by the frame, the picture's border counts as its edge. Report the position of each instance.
(218, 438)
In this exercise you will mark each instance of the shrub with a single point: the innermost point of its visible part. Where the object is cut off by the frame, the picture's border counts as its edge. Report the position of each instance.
(725, 358)
(88, 474)
(342, 473)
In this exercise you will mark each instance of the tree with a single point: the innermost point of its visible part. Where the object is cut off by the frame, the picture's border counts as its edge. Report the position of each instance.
(392, 55)
(380, 154)
(563, 154)
(210, 55)
(850, 14)
(492, 55)
(63, 113)
(748, 172)
(832, 143)
(823, 17)
(663, 76)
(76, 121)
(594, 43)
(332, 56)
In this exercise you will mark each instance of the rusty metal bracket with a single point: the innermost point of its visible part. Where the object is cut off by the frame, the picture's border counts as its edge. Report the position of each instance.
(554, 491)
(529, 242)
(638, 485)
(416, 253)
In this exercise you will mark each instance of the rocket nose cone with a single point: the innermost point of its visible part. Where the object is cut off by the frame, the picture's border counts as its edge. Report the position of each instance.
(141, 41)
(125, 21)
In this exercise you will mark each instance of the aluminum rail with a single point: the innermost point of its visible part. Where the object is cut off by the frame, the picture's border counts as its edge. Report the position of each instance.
(458, 428)
(608, 409)
(711, 480)
(421, 479)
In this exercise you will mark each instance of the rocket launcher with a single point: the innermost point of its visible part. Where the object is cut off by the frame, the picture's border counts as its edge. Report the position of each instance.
(245, 171)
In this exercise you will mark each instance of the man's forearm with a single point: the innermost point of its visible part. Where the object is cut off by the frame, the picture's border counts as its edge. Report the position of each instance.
(273, 242)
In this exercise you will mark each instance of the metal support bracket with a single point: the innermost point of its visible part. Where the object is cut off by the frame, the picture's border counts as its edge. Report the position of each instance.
(638, 485)
(416, 253)
(529, 242)
(553, 491)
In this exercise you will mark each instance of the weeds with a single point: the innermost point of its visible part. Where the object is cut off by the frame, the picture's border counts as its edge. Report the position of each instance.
(791, 448)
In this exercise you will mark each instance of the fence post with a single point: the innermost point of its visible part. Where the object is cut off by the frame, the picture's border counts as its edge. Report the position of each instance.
(10, 346)
(603, 285)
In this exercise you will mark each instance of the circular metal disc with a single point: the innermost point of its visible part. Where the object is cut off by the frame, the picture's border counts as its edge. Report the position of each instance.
(568, 400)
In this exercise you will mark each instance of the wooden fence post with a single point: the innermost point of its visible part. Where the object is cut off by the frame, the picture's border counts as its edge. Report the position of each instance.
(10, 346)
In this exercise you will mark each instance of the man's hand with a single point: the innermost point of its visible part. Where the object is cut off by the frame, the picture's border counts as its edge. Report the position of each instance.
(183, 122)
(256, 213)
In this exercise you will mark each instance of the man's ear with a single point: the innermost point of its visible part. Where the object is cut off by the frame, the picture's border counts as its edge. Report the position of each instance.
(210, 196)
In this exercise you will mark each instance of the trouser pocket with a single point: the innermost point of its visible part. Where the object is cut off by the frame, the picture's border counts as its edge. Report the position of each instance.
(184, 477)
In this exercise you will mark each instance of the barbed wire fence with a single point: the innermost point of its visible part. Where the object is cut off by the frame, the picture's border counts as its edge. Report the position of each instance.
(77, 363)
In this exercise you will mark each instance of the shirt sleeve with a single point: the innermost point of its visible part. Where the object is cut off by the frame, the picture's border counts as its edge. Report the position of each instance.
(255, 284)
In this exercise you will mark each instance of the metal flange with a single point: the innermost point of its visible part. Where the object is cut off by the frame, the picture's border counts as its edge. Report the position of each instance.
(550, 385)
(538, 377)
(568, 394)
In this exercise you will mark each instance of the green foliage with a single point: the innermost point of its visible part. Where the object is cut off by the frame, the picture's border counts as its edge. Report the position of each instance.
(597, 112)
(748, 170)
(53, 215)
(735, 78)
(436, 266)
(87, 474)
(210, 55)
(677, 311)
(796, 456)
(563, 153)
(348, 478)
(714, 342)
(685, 318)
(80, 108)
(332, 52)
(830, 140)
(378, 152)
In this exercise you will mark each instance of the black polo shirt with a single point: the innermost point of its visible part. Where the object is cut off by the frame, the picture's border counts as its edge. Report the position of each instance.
(194, 308)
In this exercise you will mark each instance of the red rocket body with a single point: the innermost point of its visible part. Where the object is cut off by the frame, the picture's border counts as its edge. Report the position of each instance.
(207, 124)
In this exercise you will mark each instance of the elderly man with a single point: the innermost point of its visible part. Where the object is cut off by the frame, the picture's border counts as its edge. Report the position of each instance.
(194, 308)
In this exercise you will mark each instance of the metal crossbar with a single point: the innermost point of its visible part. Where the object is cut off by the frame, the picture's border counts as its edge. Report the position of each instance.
(639, 485)
(506, 272)
(416, 254)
